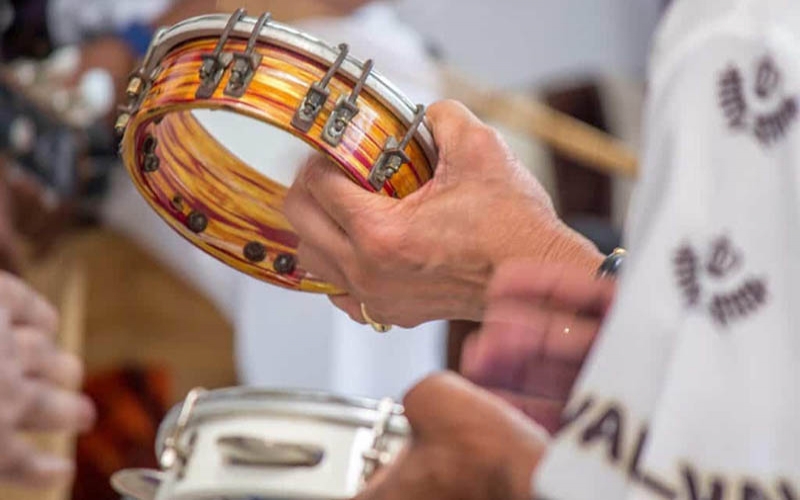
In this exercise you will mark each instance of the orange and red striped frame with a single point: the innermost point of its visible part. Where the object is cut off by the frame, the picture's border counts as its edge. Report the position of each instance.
(222, 205)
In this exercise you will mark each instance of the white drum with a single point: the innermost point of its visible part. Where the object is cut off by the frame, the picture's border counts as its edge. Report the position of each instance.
(251, 444)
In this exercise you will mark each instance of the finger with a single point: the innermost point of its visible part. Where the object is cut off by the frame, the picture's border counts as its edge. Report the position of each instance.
(314, 226)
(501, 365)
(40, 357)
(539, 329)
(26, 306)
(55, 409)
(538, 356)
(21, 464)
(350, 306)
(342, 199)
(392, 482)
(33, 348)
(448, 120)
(567, 287)
(316, 262)
(433, 405)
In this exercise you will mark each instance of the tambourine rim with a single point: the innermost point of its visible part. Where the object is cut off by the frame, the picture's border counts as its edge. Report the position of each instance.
(210, 408)
(309, 46)
(129, 160)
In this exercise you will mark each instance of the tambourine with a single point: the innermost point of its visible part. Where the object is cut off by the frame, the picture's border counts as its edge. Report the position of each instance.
(279, 76)
(251, 443)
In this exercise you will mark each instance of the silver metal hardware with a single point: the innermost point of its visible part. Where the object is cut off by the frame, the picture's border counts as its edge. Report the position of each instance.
(174, 454)
(317, 95)
(246, 63)
(251, 451)
(377, 455)
(345, 110)
(215, 63)
(307, 45)
(138, 86)
(394, 155)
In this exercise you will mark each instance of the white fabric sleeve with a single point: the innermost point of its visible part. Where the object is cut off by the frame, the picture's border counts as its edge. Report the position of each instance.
(693, 388)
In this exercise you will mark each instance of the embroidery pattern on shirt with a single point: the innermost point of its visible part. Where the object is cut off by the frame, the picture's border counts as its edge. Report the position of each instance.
(758, 105)
(712, 281)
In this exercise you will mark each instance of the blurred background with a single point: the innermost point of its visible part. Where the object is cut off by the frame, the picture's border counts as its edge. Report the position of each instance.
(153, 317)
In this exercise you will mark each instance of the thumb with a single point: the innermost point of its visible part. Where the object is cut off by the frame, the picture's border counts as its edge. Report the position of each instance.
(450, 121)
(467, 146)
(437, 402)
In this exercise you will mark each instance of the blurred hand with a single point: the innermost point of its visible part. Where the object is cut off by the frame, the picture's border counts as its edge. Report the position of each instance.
(430, 255)
(34, 377)
(540, 323)
(467, 445)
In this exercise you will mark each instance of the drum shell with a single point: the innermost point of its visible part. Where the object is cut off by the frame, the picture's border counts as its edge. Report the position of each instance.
(342, 427)
(242, 209)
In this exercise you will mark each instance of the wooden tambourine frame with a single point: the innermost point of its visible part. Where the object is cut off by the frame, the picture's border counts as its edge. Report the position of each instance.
(269, 72)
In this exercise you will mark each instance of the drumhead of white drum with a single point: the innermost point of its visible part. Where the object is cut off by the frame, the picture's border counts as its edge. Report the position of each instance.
(246, 402)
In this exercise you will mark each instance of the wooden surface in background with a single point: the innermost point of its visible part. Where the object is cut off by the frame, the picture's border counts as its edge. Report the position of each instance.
(120, 306)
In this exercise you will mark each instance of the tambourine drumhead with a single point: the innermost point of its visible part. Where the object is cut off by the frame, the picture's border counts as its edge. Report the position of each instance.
(189, 133)
(247, 443)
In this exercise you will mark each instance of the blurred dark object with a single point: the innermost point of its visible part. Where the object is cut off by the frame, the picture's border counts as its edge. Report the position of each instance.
(581, 191)
(55, 171)
(27, 34)
(584, 195)
(131, 403)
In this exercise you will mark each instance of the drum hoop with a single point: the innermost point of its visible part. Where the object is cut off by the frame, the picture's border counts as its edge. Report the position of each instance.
(213, 407)
(289, 38)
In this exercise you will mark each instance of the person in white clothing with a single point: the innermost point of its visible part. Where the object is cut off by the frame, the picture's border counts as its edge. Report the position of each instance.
(691, 387)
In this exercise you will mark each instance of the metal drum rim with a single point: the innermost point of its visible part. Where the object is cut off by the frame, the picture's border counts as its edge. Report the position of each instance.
(216, 405)
(309, 46)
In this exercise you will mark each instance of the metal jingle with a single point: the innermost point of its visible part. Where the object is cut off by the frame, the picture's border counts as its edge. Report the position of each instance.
(394, 155)
(215, 63)
(318, 94)
(246, 63)
(345, 110)
(254, 451)
(123, 119)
